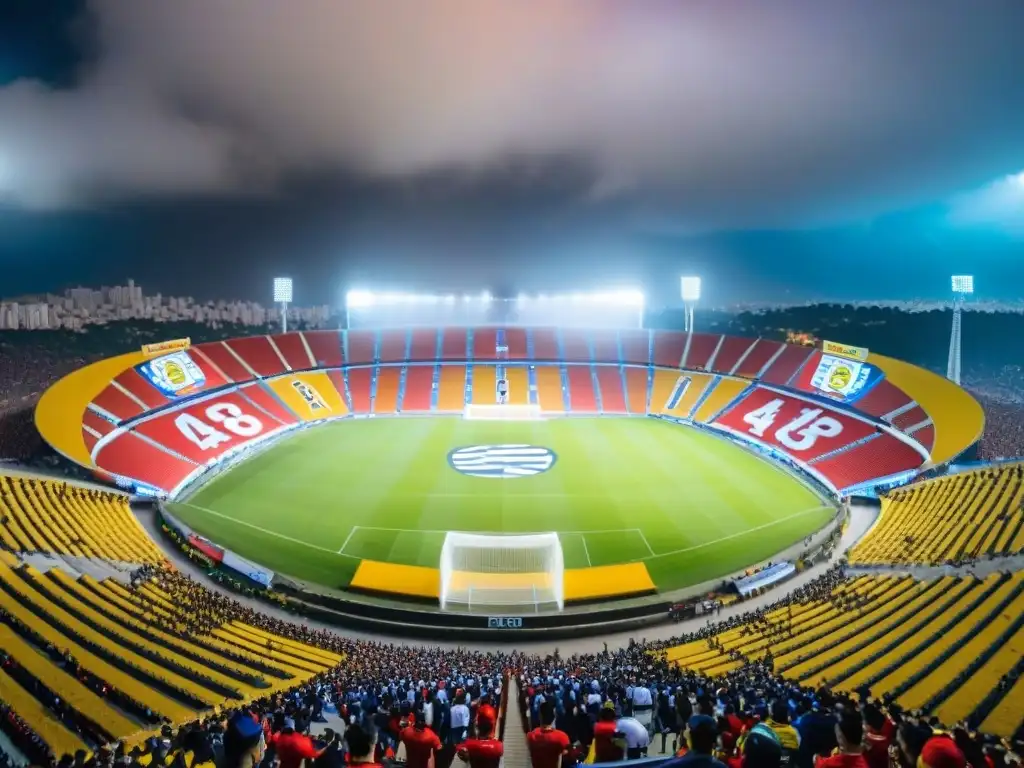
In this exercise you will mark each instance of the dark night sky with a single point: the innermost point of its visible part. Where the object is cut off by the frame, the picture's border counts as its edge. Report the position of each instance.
(781, 150)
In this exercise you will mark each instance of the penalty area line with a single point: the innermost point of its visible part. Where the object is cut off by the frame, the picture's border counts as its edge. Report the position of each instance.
(646, 543)
(737, 534)
(275, 534)
(348, 539)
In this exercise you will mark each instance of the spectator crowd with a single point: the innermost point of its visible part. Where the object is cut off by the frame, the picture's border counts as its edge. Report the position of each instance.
(428, 706)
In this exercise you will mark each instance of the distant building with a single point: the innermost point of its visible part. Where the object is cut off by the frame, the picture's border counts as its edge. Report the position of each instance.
(79, 307)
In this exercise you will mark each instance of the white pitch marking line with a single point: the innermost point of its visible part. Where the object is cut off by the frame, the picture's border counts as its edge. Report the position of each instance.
(347, 539)
(737, 534)
(215, 513)
(646, 544)
(586, 551)
(493, 533)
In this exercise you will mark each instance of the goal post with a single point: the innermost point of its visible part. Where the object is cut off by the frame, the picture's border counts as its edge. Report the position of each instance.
(503, 412)
(508, 571)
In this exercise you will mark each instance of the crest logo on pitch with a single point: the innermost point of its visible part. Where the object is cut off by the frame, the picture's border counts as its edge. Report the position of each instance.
(175, 375)
(502, 461)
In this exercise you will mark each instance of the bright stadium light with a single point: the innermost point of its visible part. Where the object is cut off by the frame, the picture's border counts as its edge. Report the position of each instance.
(283, 296)
(358, 299)
(963, 284)
(689, 289)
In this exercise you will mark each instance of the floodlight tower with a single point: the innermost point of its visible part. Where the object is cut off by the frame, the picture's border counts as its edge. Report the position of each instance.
(283, 296)
(690, 291)
(963, 286)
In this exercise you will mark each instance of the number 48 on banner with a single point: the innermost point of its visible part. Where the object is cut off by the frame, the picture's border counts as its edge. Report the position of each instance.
(227, 415)
(799, 434)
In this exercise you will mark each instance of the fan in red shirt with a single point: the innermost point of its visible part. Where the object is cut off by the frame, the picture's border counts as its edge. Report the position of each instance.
(485, 750)
(849, 734)
(420, 743)
(547, 745)
(292, 748)
(606, 748)
(878, 736)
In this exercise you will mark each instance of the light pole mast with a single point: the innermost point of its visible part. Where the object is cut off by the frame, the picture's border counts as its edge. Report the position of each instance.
(690, 292)
(963, 286)
(283, 296)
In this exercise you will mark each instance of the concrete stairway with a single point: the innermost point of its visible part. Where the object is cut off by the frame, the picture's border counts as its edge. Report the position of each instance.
(517, 755)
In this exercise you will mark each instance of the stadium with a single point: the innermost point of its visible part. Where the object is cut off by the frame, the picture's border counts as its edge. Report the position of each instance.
(417, 463)
(506, 472)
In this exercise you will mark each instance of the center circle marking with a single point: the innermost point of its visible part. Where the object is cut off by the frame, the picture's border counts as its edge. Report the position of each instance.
(501, 461)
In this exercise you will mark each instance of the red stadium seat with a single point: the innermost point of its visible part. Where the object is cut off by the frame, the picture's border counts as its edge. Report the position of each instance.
(294, 348)
(609, 382)
(576, 346)
(360, 347)
(728, 355)
(636, 347)
(545, 344)
(758, 357)
(258, 355)
(325, 346)
(879, 457)
(359, 380)
(668, 348)
(701, 349)
(419, 384)
(786, 365)
(515, 338)
(454, 344)
(221, 359)
(128, 455)
(424, 344)
(393, 346)
(485, 342)
(581, 389)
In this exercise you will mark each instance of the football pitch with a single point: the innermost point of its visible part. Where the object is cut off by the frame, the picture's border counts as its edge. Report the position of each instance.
(691, 506)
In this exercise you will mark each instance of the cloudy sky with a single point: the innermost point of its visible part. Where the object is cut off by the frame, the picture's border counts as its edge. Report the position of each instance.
(771, 145)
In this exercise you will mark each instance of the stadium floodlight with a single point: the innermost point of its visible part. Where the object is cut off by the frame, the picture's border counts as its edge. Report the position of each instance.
(507, 572)
(963, 286)
(283, 296)
(358, 299)
(689, 289)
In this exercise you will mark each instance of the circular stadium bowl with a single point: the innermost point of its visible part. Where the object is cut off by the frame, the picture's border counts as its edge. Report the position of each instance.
(334, 465)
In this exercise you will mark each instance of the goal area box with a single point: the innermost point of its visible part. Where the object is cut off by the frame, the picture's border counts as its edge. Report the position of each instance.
(513, 571)
(502, 412)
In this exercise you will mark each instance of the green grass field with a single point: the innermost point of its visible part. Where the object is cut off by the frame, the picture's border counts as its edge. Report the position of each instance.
(690, 506)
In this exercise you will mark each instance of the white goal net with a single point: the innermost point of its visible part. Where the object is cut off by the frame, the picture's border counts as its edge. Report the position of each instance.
(510, 571)
(489, 412)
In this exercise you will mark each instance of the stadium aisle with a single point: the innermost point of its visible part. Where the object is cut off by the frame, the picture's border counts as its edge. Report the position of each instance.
(861, 520)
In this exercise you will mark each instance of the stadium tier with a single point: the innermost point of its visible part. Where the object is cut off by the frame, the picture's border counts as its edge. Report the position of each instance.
(861, 426)
(936, 646)
(947, 520)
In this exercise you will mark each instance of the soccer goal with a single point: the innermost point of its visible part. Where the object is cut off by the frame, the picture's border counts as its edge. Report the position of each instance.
(502, 412)
(508, 571)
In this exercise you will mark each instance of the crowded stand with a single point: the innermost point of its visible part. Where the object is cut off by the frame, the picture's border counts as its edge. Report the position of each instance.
(160, 648)
(108, 653)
